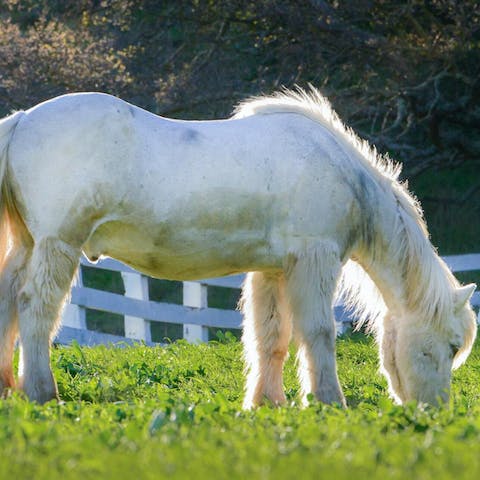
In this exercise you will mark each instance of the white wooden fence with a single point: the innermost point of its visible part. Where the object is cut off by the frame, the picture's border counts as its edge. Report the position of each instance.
(195, 315)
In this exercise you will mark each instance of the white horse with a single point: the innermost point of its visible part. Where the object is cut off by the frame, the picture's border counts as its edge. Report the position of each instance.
(282, 190)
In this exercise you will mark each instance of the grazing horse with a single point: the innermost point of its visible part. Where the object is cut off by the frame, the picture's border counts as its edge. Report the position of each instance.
(281, 190)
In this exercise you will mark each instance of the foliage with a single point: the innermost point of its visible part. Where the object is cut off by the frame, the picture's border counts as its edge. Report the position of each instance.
(156, 412)
(405, 74)
(53, 58)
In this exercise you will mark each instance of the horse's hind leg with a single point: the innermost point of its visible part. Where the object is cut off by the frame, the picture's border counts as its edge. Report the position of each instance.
(48, 278)
(10, 281)
(266, 335)
(311, 279)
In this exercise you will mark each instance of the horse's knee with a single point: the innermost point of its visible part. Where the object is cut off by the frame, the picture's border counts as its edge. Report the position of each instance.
(279, 354)
(316, 334)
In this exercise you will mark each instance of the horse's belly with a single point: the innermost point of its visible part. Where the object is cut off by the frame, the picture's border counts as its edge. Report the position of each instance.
(183, 254)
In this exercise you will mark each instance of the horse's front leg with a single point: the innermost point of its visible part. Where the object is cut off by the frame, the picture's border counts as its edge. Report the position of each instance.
(47, 282)
(312, 277)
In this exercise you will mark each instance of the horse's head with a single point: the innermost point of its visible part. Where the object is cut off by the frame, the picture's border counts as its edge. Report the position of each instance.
(417, 357)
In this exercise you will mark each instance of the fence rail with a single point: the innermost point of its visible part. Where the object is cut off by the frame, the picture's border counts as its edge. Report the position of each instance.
(195, 315)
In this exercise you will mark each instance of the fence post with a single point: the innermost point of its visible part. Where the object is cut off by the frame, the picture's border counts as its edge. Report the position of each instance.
(136, 286)
(195, 295)
(74, 315)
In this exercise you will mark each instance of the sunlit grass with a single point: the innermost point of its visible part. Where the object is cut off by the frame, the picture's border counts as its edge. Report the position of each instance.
(176, 412)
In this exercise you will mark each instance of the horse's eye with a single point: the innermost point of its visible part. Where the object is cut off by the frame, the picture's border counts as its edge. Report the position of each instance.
(454, 349)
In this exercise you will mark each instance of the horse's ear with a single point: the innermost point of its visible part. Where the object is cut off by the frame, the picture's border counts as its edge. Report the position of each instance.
(463, 294)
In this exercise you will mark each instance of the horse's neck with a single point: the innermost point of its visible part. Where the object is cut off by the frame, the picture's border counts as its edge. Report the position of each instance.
(387, 275)
(387, 263)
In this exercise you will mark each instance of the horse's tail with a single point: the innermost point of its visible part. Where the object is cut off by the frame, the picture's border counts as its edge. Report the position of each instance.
(8, 213)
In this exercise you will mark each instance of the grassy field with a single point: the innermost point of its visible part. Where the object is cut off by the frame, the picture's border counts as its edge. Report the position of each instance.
(175, 412)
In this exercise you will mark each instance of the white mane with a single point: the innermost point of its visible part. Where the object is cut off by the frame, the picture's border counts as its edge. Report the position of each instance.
(315, 106)
(431, 281)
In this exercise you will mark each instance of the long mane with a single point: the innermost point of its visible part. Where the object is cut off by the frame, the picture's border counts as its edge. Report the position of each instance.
(430, 279)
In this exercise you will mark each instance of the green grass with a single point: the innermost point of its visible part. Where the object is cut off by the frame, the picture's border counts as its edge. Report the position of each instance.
(175, 412)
